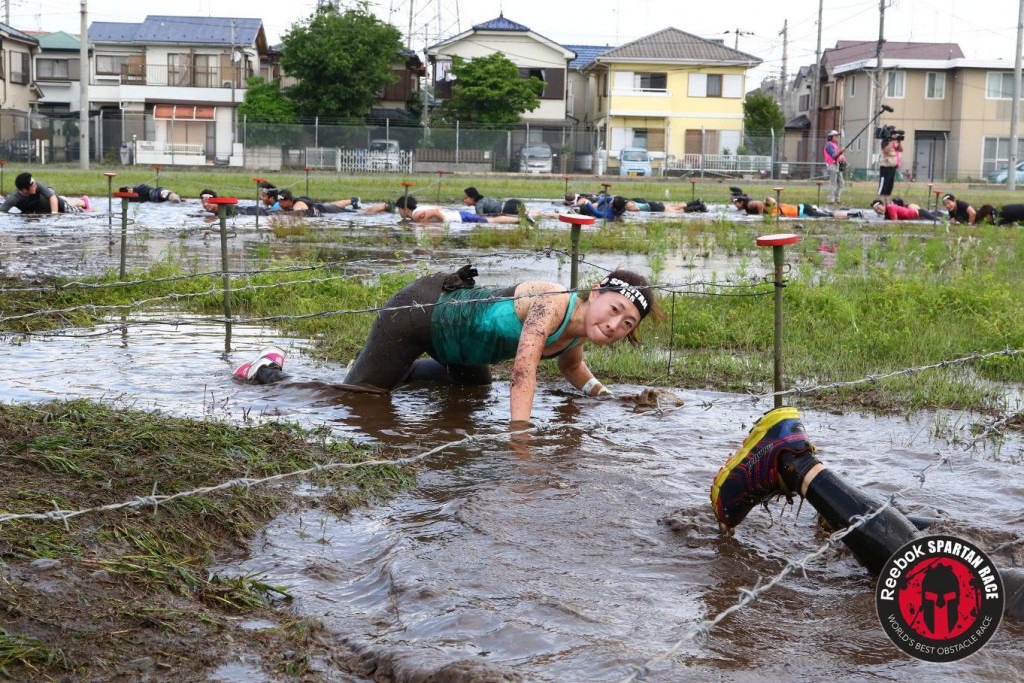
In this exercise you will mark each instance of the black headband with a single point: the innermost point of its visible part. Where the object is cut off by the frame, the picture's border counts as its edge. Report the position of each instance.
(629, 291)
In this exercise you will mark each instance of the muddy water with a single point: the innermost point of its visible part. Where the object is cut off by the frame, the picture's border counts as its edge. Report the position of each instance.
(89, 244)
(576, 558)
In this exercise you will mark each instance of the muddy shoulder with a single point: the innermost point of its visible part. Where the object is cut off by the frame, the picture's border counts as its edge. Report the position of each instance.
(127, 594)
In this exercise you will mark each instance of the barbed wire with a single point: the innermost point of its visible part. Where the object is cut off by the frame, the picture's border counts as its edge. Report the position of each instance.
(750, 595)
(125, 323)
(155, 500)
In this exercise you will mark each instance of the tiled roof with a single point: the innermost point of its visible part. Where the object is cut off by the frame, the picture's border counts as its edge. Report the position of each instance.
(15, 33)
(585, 54)
(59, 40)
(848, 51)
(500, 24)
(671, 44)
(161, 29)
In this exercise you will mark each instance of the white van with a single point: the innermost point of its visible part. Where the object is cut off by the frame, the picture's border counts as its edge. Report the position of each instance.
(634, 161)
(384, 155)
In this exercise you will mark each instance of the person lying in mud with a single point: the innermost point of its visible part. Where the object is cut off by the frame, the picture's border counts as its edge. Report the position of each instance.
(1008, 214)
(571, 199)
(464, 329)
(32, 196)
(602, 206)
(910, 212)
(695, 206)
(409, 209)
(230, 209)
(745, 204)
(773, 208)
(150, 194)
(959, 210)
(310, 207)
(778, 459)
(486, 206)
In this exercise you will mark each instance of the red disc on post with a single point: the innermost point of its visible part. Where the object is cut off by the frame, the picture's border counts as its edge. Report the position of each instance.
(779, 189)
(576, 219)
(777, 240)
(129, 195)
(110, 175)
(222, 200)
(407, 185)
(257, 180)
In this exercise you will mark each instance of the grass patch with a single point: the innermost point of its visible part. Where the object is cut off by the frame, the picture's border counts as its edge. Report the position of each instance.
(123, 594)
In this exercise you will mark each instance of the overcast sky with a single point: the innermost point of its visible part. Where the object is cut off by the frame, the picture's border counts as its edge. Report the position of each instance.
(984, 29)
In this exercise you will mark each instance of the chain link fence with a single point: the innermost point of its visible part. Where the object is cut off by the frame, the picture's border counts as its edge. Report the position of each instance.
(401, 146)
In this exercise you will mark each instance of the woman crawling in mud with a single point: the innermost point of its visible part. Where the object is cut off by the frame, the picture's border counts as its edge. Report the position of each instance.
(464, 328)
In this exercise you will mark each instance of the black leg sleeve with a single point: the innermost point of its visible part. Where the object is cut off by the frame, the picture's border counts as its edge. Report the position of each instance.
(872, 543)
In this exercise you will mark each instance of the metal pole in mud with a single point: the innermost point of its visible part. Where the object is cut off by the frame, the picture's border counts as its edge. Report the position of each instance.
(125, 196)
(259, 201)
(440, 175)
(2, 164)
(778, 243)
(608, 198)
(937, 193)
(927, 196)
(819, 183)
(157, 167)
(566, 179)
(778, 204)
(110, 200)
(222, 213)
(693, 189)
(576, 221)
(307, 179)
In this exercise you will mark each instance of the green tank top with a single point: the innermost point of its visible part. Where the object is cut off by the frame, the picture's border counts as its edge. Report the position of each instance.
(485, 331)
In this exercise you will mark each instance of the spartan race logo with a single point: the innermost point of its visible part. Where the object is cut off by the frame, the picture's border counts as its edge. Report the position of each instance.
(939, 598)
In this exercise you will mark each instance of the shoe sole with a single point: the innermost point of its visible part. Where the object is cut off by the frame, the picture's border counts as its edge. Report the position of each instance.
(760, 430)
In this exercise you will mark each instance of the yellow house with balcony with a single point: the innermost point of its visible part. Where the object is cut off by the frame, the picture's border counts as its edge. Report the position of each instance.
(672, 92)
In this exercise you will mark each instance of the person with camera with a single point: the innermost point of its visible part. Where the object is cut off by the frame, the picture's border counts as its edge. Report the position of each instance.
(835, 164)
(892, 147)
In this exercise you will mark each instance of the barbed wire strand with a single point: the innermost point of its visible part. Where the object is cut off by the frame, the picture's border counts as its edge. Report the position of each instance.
(156, 500)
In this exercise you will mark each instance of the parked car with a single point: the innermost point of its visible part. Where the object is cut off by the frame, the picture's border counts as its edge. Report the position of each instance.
(634, 161)
(384, 155)
(536, 158)
(1000, 175)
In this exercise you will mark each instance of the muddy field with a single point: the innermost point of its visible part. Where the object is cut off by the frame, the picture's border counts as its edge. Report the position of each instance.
(580, 556)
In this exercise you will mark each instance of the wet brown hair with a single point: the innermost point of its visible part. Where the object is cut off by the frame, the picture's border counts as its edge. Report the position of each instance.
(641, 283)
(987, 212)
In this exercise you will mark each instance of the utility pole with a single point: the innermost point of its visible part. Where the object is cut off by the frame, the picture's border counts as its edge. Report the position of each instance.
(785, 44)
(83, 87)
(1011, 172)
(815, 96)
(234, 75)
(737, 33)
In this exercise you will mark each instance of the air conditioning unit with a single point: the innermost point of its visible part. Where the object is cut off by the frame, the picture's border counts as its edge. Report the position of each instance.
(228, 84)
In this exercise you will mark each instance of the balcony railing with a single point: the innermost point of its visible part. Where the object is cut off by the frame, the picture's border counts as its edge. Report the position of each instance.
(178, 76)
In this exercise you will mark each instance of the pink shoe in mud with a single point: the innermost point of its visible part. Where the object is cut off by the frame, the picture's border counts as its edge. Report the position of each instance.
(272, 356)
(87, 205)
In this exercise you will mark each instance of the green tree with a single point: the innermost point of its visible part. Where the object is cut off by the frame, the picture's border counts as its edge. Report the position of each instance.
(489, 90)
(761, 116)
(342, 60)
(265, 103)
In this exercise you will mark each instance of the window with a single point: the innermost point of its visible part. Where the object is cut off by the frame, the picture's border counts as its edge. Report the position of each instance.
(57, 69)
(999, 85)
(19, 67)
(804, 103)
(996, 153)
(853, 86)
(650, 81)
(3, 61)
(935, 86)
(896, 82)
(714, 85)
(639, 138)
(826, 95)
(110, 65)
(179, 71)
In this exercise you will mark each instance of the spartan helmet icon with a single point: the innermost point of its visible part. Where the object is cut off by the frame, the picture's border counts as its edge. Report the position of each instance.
(940, 599)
